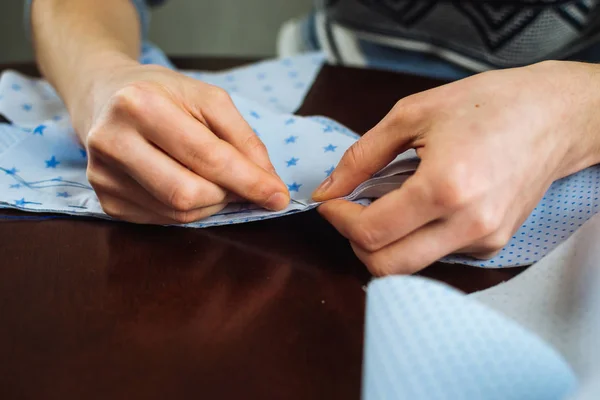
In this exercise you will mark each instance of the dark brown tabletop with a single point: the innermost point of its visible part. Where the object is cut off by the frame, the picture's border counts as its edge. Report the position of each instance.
(268, 310)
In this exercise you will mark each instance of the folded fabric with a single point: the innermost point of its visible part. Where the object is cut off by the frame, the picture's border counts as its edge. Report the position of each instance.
(279, 85)
(45, 170)
(558, 299)
(42, 168)
(533, 337)
(425, 340)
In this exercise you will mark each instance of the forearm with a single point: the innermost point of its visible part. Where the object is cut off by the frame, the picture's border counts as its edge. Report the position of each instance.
(75, 40)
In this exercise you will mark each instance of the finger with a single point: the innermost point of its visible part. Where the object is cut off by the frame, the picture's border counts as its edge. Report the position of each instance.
(165, 179)
(416, 251)
(224, 119)
(195, 146)
(377, 148)
(343, 215)
(484, 249)
(114, 183)
(386, 220)
(483, 256)
(127, 211)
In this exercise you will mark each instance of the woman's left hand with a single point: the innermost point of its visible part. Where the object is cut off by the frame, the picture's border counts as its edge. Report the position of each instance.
(490, 146)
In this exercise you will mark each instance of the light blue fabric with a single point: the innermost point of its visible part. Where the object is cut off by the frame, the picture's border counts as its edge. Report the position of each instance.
(303, 150)
(43, 168)
(532, 337)
(425, 340)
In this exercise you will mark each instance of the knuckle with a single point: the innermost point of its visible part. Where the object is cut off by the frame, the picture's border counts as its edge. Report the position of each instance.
(111, 208)
(485, 222)
(451, 192)
(108, 143)
(210, 157)
(495, 242)
(94, 179)
(364, 236)
(354, 156)
(129, 100)
(98, 141)
(408, 110)
(182, 217)
(219, 96)
(182, 199)
(254, 144)
(380, 265)
(259, 190)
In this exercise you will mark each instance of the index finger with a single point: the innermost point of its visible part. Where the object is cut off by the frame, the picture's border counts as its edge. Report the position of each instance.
(376, 149)
(386, 220)
(224, 119)
(195, 146)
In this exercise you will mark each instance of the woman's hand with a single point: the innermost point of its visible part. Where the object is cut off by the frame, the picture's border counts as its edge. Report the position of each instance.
(490, 146)
(164, 148)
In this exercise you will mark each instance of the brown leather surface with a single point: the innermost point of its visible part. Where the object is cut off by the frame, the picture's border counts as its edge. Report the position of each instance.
(107, 310)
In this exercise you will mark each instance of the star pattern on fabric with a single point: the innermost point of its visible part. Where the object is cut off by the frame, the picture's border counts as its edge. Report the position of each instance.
(52, 162)
(272, 83)
(22, 202)
(294, 187)
(12, 171)
(291, 139)
(330, 148)
(39, 130)
(330, 170)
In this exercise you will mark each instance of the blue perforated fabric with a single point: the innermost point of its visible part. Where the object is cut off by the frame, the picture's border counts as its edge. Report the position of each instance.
(425, 340)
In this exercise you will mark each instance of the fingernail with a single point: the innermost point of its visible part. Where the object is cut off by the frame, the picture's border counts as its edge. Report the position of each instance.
(320, 191)
(277, 201)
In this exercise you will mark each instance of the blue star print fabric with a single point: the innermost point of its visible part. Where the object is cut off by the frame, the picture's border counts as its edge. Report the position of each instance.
(42, 166)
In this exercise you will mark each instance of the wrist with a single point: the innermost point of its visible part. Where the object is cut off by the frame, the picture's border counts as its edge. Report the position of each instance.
(586, 103)
(90, 87)
(575, 115)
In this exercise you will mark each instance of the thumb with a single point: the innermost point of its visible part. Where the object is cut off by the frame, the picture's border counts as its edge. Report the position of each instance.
(376, 149)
